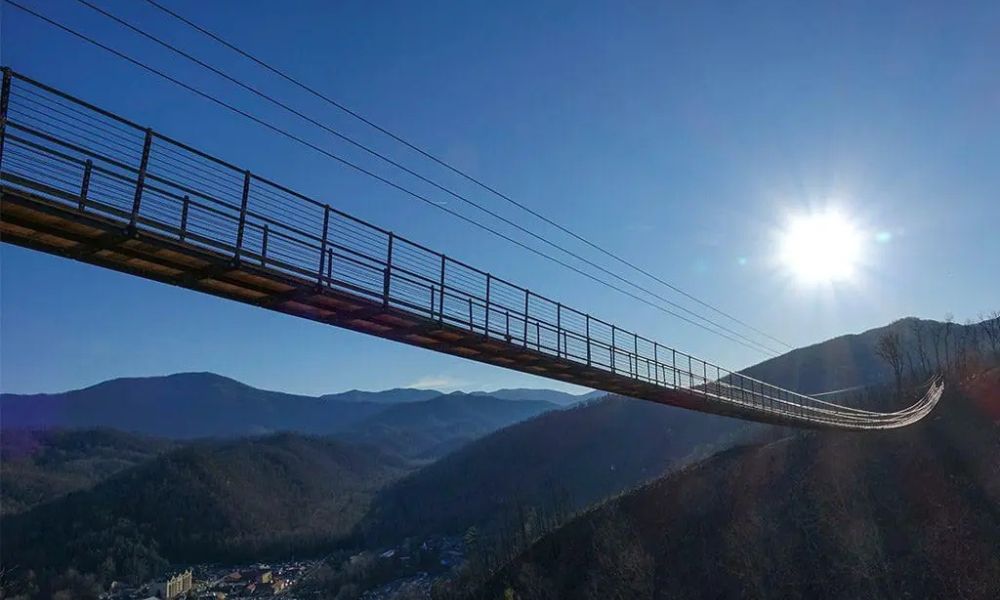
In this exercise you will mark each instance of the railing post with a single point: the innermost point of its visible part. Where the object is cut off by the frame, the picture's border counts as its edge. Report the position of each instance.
(486, 325)
(527, 295)
(4, 102)
(263, 246)
(243, 215)
(704, 379)
(388, 272)
(441, 299)
(559, 331)
(613, 344)
(329, 266)
(471, 326)
(673, 364)
(588, 339)
(322, 245)
(141, 179)
(85, 185)
(635, 351)
(656, 361)
(185, 204)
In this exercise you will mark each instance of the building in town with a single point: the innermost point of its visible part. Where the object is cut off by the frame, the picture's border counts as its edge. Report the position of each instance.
(173, 585)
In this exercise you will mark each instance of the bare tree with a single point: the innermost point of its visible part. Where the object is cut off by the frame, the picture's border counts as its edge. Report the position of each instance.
(968, 344)
(920, 333)
(990, 326)
(937, 336)
(949, 324)
(913, 368)
(890, 348)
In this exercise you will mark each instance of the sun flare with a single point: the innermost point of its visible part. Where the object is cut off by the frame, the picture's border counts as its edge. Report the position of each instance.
(821, 248)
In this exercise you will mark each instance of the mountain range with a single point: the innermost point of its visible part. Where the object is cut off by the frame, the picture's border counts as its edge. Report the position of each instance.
(197, 405)
(367, 469)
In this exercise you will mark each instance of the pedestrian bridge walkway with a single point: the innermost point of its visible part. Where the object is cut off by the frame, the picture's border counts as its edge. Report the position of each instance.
(83, 183)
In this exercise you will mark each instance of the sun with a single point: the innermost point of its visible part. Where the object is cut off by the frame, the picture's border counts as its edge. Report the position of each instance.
(821, 248)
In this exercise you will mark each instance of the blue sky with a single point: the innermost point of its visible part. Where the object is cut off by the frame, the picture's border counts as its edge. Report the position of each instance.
(681, 137)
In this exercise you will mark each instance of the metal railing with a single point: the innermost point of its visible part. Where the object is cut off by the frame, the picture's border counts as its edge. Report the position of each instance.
(76, 153)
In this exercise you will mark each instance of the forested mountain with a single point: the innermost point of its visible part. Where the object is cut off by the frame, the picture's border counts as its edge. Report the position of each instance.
(185, 405)
(39, 466)
(567, 458)
(431, 428)
(909, 513)
(852, 360)
(210, 501)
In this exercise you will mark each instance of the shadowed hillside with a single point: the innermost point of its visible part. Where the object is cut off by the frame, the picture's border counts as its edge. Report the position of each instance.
(908, 513)
(39, 466)
(562, 460)
(242, 500)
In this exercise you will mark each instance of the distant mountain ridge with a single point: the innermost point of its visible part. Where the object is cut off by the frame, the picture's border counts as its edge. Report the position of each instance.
(405, 395)
(184, 405)
(553, 396)
(196, 405)
(393, 396)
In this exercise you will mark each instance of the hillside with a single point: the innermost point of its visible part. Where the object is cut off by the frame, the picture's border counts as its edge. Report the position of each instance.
(909, 513)
(39, 466)
(219, 501)
(851, 360)
(569, 458)
(432, 428)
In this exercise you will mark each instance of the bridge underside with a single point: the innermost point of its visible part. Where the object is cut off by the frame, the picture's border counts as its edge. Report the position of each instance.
(36, 222)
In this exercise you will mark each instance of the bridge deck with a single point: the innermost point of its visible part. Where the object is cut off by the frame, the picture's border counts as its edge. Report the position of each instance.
(38, 223)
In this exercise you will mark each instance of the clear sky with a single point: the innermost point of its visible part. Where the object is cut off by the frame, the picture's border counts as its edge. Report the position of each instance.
(680, 135)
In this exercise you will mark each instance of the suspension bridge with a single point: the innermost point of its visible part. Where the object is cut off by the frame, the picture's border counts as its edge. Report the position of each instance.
(86, 184)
